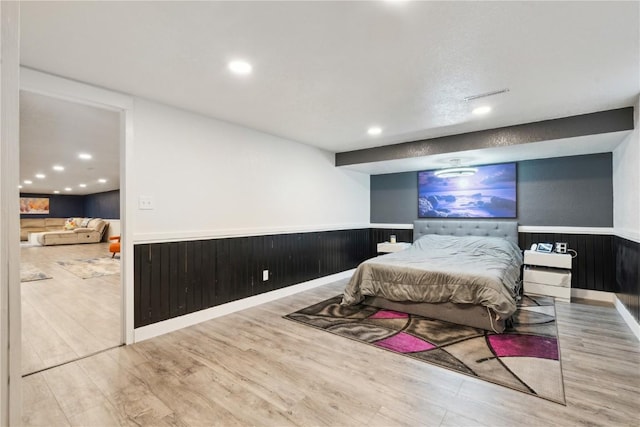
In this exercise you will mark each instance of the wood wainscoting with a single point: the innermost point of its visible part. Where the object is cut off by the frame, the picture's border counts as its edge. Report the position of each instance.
(627, 264)
(172, 279)
(593, 267)
(176, 278)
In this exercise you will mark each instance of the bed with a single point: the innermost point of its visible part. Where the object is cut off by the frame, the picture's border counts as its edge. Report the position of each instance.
(461, 271)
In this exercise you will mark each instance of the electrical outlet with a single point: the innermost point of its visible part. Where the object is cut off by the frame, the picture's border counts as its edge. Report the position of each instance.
(145, 203)
(265, 275)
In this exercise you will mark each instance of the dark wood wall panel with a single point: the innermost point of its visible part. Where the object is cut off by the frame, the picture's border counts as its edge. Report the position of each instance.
(627, 275)
(176, 278)
(593, 267)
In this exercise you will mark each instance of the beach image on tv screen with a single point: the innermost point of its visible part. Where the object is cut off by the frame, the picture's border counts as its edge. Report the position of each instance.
(490, 193)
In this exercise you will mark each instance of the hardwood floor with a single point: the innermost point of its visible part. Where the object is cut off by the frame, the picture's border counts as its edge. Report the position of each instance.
(256, 368)
(66, 317)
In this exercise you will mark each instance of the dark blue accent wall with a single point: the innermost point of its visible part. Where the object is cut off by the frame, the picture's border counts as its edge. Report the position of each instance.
(100, 205)
(60, 206)
(574, 191)
(103, 205)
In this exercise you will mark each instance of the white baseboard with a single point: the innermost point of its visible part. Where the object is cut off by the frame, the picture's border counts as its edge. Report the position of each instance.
(628, 318)
(612, 298)
(170, 325)
(593, 295)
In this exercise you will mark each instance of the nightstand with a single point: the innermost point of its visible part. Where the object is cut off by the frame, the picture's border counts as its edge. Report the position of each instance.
(386, 247)
(547, 274)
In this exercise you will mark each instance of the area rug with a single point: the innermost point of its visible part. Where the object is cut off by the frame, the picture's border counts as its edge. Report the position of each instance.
(29, 273)
(526, 357)
(93, 267)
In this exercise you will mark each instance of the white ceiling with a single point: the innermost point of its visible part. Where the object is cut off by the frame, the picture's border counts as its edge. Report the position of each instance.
(323, 72)
(54, 132)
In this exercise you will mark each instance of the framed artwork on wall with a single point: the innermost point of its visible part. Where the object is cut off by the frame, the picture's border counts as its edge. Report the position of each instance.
(489, 193)
(34, 205)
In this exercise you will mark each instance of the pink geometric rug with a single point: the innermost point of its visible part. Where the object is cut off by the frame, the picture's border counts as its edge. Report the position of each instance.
(525, 357)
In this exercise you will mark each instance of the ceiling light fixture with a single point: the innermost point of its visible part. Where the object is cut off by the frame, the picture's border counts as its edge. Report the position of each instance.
(240, 67)
(486, 94)
(19, 186)
(481, 110)
(40, 176)
(67, 189)
(56, 191)
(58, 168)
(455, 171)
(102, 181)
(82, 185)
(374, 131)
(26, 181)
(85, 156)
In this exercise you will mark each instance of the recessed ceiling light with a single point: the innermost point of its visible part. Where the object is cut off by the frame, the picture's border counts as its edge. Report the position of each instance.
(85, 156)
(82, 185)
(56, 192)
(67, 189)
(240, 67)
(102, 180)
(374, 131)
(19, 186)
(26, 181)
(481, 110)
(58, 168)
(40, 176)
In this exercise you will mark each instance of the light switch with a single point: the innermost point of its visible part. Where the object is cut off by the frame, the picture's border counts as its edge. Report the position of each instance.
(145, 203)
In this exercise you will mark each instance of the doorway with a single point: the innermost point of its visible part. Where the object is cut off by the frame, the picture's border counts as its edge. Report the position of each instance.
(71, 288)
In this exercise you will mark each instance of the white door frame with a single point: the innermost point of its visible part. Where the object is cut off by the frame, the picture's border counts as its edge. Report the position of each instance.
(10, 310)
(58, 87)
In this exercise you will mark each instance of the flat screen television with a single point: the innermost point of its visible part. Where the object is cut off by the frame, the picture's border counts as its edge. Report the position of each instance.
(490, 193)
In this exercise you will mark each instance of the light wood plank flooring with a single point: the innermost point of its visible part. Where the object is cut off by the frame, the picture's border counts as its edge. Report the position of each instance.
(256, 368)
(66, 317)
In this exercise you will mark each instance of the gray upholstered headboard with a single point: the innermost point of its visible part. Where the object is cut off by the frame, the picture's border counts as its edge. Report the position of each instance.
(447, 227)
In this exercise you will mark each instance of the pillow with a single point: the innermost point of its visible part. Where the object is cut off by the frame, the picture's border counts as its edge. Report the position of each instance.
(85, 222)
(70, 224)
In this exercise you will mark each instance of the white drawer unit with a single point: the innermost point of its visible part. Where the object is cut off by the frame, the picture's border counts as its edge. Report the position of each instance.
(547, 260)
(387, 247)
(547, 274)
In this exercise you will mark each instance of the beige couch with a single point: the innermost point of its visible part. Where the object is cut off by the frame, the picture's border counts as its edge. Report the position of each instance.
(91, 233)
(39, 225)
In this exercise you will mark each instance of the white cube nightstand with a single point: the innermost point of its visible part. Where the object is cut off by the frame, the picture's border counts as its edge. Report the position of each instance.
(547, 274)
(386, 247)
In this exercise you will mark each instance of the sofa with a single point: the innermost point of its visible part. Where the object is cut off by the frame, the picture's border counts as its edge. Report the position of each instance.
(39, 225)
(74, 231)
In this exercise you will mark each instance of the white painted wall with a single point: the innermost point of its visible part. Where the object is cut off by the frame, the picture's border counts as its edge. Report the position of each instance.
(626, 184)
(209, 178)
